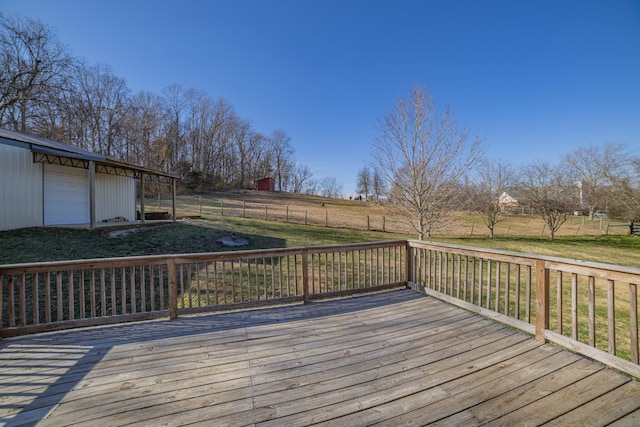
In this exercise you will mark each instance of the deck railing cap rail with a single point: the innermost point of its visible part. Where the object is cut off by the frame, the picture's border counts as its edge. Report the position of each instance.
(555, 262)
(64, 265)
(629, 273)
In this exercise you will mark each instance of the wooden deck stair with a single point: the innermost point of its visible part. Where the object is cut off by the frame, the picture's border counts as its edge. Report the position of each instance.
(389, 358)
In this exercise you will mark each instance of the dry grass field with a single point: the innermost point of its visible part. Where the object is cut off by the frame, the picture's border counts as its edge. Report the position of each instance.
(274, 220)
(604, 240)
(359, 215)
(271, 220)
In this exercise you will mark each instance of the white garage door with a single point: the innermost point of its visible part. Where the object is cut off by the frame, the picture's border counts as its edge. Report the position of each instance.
(66, 195)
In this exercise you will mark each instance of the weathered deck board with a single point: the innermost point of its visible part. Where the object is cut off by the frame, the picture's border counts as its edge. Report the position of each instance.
(393, 358)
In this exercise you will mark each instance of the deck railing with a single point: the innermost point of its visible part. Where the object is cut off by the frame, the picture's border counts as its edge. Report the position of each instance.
(56, 295)
(590, 308)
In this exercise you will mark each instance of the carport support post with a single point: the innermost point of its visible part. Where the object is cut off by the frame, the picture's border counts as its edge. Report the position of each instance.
(142, 198)
(173, 196)
(92, 195)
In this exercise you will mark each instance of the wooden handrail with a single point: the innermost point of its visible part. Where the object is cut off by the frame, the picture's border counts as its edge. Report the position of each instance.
(576, 304)
(590, 307)
(52, 295)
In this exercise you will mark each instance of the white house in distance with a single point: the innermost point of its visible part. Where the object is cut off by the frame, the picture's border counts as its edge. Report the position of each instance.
(48, 183)
(507, 202)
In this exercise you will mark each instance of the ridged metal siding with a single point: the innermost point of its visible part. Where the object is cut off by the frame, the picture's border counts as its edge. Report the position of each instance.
(20, 189)
(22, 194)
(115, 197)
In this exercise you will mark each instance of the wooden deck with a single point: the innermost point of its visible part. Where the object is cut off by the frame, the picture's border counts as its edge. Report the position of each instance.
(391, 358)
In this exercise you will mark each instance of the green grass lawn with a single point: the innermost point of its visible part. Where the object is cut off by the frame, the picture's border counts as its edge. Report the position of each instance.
(48, 244)
(202, 235)
(346, 220)
(620, 250)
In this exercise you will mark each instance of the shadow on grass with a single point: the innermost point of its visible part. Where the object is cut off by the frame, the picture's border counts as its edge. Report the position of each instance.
(53, 244)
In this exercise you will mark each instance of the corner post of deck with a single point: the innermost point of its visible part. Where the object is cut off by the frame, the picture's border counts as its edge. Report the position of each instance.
(173, 288)
(408, 264)
(305, 275)
(542, 300)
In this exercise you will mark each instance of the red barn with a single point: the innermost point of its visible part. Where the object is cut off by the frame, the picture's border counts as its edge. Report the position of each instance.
(266, 184)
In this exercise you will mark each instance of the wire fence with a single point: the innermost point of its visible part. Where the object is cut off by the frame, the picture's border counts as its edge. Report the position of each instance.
(375, 217)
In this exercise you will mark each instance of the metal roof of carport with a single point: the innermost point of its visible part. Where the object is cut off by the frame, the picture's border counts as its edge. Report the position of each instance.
(54, 152)
(48, 151)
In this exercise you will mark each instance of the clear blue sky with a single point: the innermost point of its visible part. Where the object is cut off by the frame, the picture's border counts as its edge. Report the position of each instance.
(534, 79)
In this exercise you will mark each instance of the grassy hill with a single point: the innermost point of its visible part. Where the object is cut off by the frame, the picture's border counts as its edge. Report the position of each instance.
(339, 213)
(270, 220)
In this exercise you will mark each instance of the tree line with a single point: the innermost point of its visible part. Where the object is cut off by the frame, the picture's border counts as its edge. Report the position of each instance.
(423, 164)
(46, 91)
(429, 167)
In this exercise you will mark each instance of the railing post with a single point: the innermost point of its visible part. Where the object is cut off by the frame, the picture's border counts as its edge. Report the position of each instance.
(542, 300)
(408, 265)
(305, 276)
(173, 289)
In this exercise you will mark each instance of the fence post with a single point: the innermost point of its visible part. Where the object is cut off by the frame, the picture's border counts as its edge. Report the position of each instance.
(173, 289)
(384, 228)
(266, 215)
(542, 300)
(368, 224)
(221, 208)
(305, 277)
(326, 218)
(287, 213)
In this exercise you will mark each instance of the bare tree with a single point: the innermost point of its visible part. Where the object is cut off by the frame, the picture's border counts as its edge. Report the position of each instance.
(627, 204)
(625, 197)
(378, 185)
(33, 64)
(364, 181)
(282, 152)
(312, 187)
(103, 106)
(494, 178)
(174, 99)
(550, 192)
(145, 129)
(595, 168)
(47, 92)
(330, 187)
(300, 177)
(248, 151)
(422, 154)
